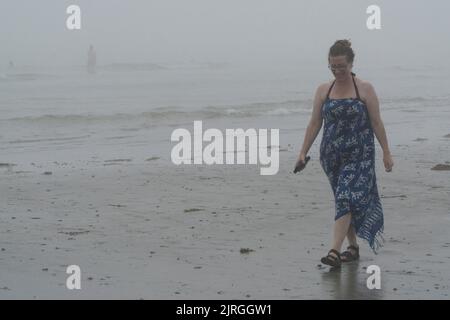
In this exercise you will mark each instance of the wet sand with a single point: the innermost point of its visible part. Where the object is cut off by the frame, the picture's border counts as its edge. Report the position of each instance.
(140, 227)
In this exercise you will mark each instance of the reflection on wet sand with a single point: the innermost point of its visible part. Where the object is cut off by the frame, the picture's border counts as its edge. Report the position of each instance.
(349, 282)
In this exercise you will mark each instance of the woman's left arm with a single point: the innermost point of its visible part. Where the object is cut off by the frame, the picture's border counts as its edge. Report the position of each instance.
(373, 107)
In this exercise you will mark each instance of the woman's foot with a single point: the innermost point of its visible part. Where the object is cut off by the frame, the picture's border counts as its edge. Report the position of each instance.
(351, 254)
(333, 258)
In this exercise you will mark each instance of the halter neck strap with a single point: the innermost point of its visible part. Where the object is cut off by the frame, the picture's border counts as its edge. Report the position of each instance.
(354, 84)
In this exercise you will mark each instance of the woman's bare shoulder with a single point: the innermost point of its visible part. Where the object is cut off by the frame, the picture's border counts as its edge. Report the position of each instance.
(325, 85)
(323, 88)
(366, 89)
(364, 85)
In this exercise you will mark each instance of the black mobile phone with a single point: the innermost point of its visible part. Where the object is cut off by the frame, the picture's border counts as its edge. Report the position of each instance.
(301, 166)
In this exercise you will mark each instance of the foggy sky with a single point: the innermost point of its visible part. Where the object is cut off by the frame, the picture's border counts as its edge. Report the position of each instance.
(233, 31)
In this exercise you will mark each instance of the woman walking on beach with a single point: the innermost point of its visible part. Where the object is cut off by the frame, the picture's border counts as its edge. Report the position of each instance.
(349, 108)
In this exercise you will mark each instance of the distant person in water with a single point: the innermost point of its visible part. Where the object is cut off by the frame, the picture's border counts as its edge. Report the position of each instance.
(11, 64)
(92, 59)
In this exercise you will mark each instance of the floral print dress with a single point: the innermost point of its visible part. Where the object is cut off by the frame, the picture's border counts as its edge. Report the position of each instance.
(347, 155)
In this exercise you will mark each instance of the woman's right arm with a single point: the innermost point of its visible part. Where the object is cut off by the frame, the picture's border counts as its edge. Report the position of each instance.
(315, 123)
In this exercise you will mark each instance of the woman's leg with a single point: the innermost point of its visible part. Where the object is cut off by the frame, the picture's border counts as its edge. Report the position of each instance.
(352, 252)
(351, 236)
(341, 229)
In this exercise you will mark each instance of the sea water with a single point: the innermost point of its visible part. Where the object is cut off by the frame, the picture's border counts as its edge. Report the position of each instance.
(51, 114)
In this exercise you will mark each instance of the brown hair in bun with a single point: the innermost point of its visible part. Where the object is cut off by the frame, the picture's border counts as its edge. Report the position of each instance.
(342, 48)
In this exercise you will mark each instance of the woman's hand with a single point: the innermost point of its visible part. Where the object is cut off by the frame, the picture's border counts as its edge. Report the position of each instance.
(301, 157)
(388, 162)
(301, 162)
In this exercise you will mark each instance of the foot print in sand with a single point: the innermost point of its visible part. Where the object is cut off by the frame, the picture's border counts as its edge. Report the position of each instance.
(7, 166)
(441, 167)
(192, 210)
(116, 161)
(73, 232)
(246, 250)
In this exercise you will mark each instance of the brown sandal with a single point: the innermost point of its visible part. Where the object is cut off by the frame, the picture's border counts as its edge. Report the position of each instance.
(330, 260)
(351, 254)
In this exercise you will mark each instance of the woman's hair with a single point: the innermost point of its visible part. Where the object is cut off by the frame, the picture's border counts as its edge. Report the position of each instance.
(342, 48)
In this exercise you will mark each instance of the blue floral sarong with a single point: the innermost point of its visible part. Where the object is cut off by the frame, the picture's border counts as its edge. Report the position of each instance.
(347, 155)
